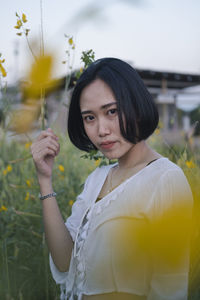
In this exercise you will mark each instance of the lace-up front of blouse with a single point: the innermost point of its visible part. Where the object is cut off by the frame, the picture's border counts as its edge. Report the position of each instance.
(105, 257)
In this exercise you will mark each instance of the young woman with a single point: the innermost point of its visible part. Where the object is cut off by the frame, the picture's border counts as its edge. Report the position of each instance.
(97, 253)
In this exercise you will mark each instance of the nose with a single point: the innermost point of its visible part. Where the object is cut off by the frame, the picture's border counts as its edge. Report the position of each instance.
(103, 128)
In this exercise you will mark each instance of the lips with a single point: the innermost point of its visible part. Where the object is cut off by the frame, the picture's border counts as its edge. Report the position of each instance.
(107, 145)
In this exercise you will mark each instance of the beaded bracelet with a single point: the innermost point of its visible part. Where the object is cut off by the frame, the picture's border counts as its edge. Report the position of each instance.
(47, 196)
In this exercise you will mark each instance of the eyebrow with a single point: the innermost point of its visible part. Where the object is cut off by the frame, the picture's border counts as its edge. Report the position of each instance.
(102, 107)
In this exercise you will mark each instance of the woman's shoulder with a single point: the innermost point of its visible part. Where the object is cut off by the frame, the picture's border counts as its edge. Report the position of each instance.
(165, 165)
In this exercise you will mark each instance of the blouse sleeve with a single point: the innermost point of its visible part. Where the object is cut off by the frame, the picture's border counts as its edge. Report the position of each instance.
(72, 224)
(170, 237)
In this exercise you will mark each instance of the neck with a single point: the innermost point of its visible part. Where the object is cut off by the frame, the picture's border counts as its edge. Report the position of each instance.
(139, 154)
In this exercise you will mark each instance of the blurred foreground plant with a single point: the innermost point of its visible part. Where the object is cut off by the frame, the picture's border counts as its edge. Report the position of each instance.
(2, 69)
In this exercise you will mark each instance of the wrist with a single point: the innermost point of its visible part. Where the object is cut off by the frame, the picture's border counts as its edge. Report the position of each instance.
(44, 180)
(45, 186)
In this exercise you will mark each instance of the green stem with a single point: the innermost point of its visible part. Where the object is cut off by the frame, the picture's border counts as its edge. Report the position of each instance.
(6, 264)
(34, 56)
(42, 92)
(43, 104)
(42, 31)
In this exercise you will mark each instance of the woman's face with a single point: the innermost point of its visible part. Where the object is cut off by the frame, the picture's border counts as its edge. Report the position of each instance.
(100, 118)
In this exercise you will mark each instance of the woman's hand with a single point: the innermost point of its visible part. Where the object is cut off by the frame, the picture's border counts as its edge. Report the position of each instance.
(44, 150)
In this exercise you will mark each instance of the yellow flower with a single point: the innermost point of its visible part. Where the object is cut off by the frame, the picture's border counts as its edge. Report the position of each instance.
(97, 162)
(61, 168)
(19, 33)
(190, 164)
(19, 24)
(3, 208)
(5, 172)
(28, 182)
(23, 120)
(3, 71)
(40, 77)
(9, 168)
(24, 18)
(27, 196)
(27, 145)
(70, 41)
(71, 202)
(157, 131)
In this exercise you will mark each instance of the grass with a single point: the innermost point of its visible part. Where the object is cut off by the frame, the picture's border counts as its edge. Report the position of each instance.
(25, 272)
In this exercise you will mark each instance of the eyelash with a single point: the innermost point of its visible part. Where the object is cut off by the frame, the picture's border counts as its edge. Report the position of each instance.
(110, 112)
(112, 109)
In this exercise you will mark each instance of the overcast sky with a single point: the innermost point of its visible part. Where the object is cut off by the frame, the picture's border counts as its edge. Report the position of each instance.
(153, 34)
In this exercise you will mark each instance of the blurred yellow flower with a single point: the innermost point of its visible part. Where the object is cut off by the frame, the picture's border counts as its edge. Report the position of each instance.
(19, 33)
(28, 182)
(19, 24)
(71, 202)
(40, 77)
(27, 145)
(97, 162)
(23, 120)
(24, 18)
(5, 172)
(3, 71)
(27, 196)
(61, 168)
(190, 164)
(157, 131)
(3, 208)
(9, 168)
(70, 41)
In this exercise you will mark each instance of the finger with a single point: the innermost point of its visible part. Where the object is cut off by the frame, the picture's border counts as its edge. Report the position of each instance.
(40, 156)
(46, 133)
(53, 145)
(47, 142)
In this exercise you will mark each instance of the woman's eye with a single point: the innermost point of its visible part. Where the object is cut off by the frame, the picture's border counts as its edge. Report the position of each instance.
(112, 111)
(88, 118)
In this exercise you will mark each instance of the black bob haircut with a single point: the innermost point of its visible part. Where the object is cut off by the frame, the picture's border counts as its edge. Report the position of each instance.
(134, 102)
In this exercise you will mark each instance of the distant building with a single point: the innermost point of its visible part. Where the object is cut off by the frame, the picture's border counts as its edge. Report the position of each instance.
(175, 94)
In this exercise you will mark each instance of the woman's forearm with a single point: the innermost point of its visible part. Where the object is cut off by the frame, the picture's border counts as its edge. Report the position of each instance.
(58, 238)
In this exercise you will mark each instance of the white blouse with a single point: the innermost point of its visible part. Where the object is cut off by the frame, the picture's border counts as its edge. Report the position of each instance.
(105, 258)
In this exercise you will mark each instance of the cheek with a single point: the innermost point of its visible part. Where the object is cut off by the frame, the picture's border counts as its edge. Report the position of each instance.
(89, 131)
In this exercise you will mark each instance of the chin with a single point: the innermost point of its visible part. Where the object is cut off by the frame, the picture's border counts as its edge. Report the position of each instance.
(110, 155)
